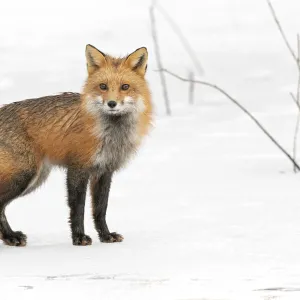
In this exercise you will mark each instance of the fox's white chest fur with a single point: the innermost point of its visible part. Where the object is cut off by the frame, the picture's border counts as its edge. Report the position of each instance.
(119, 139)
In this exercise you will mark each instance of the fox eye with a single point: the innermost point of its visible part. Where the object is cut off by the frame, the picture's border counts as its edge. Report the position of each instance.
(103, 86)
(125, 87)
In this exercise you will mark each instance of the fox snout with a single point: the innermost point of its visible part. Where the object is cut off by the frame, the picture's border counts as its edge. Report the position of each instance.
(112, 103)
(119, 106)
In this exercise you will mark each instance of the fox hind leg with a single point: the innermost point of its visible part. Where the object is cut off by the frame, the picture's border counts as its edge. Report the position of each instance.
(9, 190)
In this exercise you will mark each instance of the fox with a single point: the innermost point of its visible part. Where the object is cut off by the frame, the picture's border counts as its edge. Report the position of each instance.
(91, 135)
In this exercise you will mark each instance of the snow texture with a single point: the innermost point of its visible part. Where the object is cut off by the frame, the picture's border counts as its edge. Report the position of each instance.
(210, 209)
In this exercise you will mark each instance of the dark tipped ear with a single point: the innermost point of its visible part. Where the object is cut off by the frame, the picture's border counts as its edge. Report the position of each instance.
(95, 58)
(137, 60)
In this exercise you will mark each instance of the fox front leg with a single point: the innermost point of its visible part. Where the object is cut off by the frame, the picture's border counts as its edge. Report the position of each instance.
(77, 181)
(100, 187)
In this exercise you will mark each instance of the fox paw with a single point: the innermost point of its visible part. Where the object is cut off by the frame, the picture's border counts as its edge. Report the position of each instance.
(18, 239)
(112, 237)
(82, 240)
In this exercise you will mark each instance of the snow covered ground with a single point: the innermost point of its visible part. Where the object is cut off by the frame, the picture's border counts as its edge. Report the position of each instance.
(210, 209)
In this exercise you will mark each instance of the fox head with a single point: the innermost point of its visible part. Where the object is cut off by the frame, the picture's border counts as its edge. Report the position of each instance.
(116, 86)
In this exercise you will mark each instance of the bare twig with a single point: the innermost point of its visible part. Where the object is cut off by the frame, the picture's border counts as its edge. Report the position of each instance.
(158, 59)
(183, 39)
(295, 142)
(297, 60)
(240, 106)
(191, 88)
(298, 87)
(282, 33)
(298, 46)
(295, 100)
(298, 103)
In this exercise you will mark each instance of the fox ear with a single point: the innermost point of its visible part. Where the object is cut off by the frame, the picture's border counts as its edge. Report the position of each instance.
(95, 58)
(137, 60)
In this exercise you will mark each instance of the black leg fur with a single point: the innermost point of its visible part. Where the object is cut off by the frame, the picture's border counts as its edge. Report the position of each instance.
(100, 187)
(77, 181)
(8, 193)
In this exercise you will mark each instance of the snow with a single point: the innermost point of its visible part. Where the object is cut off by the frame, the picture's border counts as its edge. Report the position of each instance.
(209, 208)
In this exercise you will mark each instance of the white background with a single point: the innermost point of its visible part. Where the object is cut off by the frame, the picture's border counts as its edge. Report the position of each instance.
(210, 209)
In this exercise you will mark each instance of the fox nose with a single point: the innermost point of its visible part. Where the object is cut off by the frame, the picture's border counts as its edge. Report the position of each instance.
(112, 103)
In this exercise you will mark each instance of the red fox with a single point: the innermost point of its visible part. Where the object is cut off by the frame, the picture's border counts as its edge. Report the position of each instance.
(91, 135)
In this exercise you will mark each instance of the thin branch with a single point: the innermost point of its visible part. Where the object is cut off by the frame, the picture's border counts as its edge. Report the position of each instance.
(298, 48)
(295, 141)
(298, 87)
(298, 103)
(297, 60)
(183, 39)
(191, 88)
(282, 33)
(240, 106)
(158, 59)
(295, 100)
